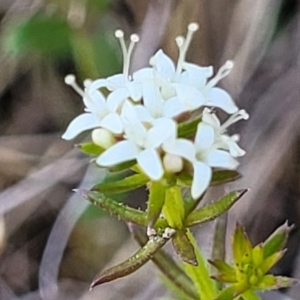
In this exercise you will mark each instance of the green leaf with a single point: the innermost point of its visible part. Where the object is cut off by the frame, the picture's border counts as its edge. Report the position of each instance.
(123, 212)
(166, 264)
(224, 176)
(277, 240)
(184, 247)
(250, 295)
(213, 210)
(189, 128)
(219, 177)
(122, 186)
(132, 264)
(156, 201)
(205, 286)
(173, 208)
(270, 261)
(241, 246)
(90, 148)
(48, 35)
(98, 5)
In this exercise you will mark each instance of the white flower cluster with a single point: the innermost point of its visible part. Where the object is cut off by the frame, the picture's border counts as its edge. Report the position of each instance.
(138, 119)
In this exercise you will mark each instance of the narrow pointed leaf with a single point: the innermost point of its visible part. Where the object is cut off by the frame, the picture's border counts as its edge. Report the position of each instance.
(226, 294)
(257, 255)
(173, 208)
(205, 286)
(213, 210)
(218, 177)
(90, 148)
(250, 295)
(184, 247)
(277, 240)
(270, 261)
(224, 176)
(123, 166)
(132, 264)
(155, 202)
(167, 265)
(122, 186)
(241, 246)
(123, 212)
(191, 204)
(222, 266)
(189, 128)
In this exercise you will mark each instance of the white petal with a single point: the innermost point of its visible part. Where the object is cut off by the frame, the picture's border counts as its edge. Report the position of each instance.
(205, 137)
(152, 100)
(135, 90)
(221, 159)
(162, 130)
(143, 114)
(95, 102)
(163, 64)
(173, 107)
(181, 147)
(210, 118)
(116, 81)
(190, 96)
(97, 84)
(198, 75)
(219, 98)
(113, 123)
(115, 98)
(150, 163)
(201, 179)
(80, 124)
(121, 152)
(143, 74)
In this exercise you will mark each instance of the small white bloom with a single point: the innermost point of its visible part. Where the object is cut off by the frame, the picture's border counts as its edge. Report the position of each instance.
(103, 138)
(203, 155)
(172, 163)
(222, 140)
(100, 112)
(141, 143)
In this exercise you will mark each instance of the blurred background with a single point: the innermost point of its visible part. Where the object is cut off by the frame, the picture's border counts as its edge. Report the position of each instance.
(52, 243)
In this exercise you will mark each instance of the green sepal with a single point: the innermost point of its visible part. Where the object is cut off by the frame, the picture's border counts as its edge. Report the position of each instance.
(199, 274)
(90, 148)
(270, 261)
(189, 128)
(184, 247)
(177, 278)
(132, 264)
(241, 247)
(277, 240)
(231, 292)
(173, 209)
(257, 256)
(213, 210)
(122, 186)
(117, 209)
(249, 295)
(156, 201)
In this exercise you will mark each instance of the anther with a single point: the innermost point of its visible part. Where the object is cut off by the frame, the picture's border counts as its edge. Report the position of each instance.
(193, 27)
(134, 38)
(71, 81)
(179, 41)
(119, 34)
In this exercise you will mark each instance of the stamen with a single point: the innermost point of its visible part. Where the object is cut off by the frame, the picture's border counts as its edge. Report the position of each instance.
(223, 72)
(71, 81)
(239, 115)
(183, 45)
(134, 38)
(87, 83)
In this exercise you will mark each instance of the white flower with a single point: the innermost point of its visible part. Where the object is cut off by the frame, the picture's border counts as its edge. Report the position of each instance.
(203, 155)
(141, 143)
(222, 140)
(100, 112)
(121, 85)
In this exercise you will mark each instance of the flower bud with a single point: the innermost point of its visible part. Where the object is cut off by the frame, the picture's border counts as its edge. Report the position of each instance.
(103, 138)
(172, 163)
